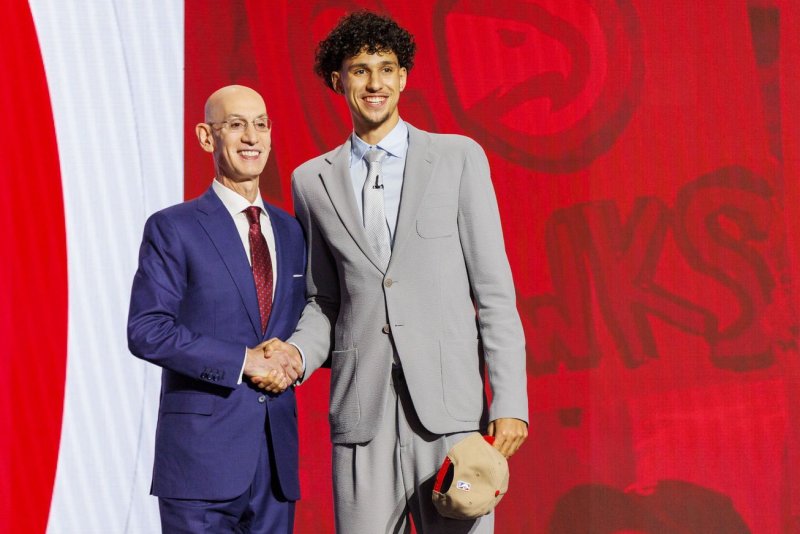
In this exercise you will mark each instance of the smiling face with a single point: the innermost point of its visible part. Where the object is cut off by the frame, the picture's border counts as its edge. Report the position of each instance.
(371, 84)
(238, 156)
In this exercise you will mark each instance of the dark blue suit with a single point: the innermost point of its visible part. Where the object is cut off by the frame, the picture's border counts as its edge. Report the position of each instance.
(193, 312)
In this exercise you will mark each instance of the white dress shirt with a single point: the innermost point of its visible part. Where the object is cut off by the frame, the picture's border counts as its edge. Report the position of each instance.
(236, 204)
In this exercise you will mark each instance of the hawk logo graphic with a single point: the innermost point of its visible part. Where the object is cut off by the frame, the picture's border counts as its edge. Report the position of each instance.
(569, 80)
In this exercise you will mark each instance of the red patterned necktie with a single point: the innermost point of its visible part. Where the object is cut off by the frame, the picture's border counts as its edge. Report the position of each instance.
(262, 266)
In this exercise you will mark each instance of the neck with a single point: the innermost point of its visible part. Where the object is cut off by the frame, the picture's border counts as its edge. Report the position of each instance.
(372, 135)
(248, 188)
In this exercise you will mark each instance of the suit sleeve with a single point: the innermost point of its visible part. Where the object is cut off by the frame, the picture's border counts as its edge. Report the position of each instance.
(155, 332)
(492, 286)
(314, 332)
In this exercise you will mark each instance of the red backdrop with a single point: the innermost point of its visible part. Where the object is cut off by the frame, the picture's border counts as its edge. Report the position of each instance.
(33, 282)
(645, 158)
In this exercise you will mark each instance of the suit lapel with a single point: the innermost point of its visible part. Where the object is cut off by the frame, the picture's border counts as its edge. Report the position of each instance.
(339, 186)
(282, 264)
(221, 229)
(417, 175)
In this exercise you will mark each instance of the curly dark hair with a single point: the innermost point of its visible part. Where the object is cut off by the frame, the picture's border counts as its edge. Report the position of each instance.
(359, 31)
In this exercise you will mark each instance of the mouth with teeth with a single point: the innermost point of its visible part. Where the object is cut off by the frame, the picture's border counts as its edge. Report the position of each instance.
(375, 101)
(250, 154)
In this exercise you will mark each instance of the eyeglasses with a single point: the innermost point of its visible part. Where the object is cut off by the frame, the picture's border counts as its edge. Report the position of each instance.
(260, 124)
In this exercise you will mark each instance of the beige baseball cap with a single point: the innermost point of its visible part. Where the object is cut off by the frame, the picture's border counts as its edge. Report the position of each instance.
(472, 480)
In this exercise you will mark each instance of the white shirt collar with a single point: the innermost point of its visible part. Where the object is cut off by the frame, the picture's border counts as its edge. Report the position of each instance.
(233, 201)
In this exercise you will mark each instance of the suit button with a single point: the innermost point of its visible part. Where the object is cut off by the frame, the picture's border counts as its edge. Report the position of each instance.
(386, 329)
(388, 282)
(262, 398)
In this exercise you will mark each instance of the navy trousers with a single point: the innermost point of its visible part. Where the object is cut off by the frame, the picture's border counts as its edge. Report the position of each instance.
(259, 510)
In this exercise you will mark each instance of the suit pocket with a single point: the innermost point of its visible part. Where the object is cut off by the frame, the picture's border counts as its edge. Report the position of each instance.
(437, 222)
(461, 379)
(196, 403)
(345, 411)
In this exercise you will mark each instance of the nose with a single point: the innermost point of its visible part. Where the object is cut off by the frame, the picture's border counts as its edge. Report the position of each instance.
(374, 82)
(249, 135)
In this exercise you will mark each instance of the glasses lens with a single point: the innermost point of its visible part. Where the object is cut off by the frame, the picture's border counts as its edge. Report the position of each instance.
(237, 125)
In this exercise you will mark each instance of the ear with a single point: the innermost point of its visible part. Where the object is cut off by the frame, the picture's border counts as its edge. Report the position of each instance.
(403, 77)
(205, 136)
(336, 82)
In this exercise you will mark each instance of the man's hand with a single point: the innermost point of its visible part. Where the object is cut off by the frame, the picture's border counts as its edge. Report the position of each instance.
(273, 375)
(287, 357)
(509, 434)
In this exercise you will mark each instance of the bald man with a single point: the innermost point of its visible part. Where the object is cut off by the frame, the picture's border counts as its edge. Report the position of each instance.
(218, 276)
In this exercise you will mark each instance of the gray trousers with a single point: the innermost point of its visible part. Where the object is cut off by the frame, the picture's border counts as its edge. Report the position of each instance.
(376, 485)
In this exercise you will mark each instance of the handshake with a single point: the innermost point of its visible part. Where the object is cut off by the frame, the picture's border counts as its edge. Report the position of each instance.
(273, 365)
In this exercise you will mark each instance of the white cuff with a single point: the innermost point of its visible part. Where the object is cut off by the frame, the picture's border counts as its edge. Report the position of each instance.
(302, 356)
(241, 373)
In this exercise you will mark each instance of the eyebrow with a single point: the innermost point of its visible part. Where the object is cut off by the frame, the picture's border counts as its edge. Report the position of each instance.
(239, 116)
(364, 65)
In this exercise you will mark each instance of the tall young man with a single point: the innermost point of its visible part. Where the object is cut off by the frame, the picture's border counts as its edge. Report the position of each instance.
(404, 247)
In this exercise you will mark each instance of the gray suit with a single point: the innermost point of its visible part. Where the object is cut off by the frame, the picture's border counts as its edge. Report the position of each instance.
(448, 260)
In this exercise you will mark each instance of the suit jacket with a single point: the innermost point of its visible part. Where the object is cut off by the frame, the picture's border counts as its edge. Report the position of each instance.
(193, 311)
(448, 260)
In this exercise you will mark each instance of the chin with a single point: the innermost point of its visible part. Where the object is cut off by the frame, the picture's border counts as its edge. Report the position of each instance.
(376, 121)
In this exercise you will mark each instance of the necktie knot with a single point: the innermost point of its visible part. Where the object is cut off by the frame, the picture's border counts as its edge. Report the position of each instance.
(375, 155)
(253, 215)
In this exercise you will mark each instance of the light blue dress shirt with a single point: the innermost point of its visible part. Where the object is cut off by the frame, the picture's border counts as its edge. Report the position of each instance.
(396, 145)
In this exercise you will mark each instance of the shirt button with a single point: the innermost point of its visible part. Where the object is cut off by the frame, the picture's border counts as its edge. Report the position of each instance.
(388, 282)
(262, 398)
(386, 329)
